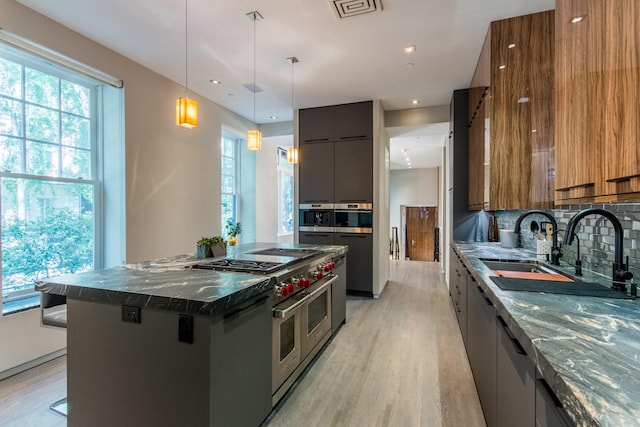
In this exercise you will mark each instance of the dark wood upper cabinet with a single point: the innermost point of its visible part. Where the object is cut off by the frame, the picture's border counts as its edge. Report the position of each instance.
(353, 121)
(316, 124)
(316, 173)
(353, 163)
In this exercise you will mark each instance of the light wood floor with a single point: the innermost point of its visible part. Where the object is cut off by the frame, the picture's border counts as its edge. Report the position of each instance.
(399, 361)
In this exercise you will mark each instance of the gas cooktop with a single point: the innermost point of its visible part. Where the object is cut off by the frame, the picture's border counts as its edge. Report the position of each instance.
(262, 261)
(241, 265)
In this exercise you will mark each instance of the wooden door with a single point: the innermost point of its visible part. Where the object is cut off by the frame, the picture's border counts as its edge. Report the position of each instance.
(421, 224)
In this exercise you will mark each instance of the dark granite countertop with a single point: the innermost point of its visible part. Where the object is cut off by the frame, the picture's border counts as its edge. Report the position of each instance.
(169, 283)
(587, 348)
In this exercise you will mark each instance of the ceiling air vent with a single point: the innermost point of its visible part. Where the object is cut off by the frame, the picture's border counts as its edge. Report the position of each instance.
(347, 8)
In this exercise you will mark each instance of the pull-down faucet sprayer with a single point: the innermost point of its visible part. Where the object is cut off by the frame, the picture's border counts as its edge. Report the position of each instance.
(621, 271)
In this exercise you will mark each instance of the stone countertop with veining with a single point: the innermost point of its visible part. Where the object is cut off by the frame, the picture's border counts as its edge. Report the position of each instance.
(170, 284)
(587, 348)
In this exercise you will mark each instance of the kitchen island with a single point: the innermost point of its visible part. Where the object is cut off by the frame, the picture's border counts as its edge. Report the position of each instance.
(160, 343)
(586, 349)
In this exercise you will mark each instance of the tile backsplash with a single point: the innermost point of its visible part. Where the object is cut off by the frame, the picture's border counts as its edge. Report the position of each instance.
(595, 233)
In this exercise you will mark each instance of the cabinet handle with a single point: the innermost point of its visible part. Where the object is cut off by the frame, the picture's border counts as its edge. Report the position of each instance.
(623, 178)
(516, 344)
(353, 137)
(550, 393)
(316, 234)
(353, 236)
(316, 140)
(484, 296)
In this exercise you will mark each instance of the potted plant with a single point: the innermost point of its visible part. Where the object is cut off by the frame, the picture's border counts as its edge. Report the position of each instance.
(218, 246)
(203, 248)
(211, 247)
(233, 230)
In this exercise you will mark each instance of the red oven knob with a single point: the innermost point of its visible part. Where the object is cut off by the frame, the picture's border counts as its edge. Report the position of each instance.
(282, 290)
(291, 287)
(305, 283)
(318, 275)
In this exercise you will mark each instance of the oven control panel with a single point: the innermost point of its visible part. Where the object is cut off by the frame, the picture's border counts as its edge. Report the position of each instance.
(296, 283)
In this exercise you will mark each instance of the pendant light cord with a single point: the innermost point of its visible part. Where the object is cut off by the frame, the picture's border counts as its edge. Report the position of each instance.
(254, 69)
(186, 46)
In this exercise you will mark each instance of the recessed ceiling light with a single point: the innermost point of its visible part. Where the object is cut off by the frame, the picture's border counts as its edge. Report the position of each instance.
(511, 45)
(409, 49)
(502, 67)
(577, 19)
(415, 102)
(523, 100)
(215, 82)
(273, 117)
(534, 130)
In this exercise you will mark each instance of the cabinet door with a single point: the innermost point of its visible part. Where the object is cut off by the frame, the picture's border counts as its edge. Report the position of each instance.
(549, 411)
(521, 119)
(354, 121)
(353, 163)
(516, 392)
(477, 107)
(315, 238)
(315, 169)
(360, 261)
(316, 124)
(482, 341)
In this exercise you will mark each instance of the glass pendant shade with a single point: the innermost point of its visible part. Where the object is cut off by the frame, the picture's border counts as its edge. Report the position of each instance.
(292, 155)
(254, 140)
(186, 113)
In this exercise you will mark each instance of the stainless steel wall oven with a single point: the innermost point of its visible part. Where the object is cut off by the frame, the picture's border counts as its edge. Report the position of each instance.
(316, 217)
(353, 218)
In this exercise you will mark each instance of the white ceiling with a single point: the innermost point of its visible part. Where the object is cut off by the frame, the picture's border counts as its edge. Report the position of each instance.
(341, 60)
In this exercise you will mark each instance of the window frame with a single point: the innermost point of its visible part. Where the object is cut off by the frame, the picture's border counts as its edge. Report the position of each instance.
(234, 194)
(282, 171)
(28, 60)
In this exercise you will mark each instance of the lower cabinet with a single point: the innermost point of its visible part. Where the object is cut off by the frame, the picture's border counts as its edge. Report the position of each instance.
(360, 267)
(315, 238)
(511, 391)
(515, 382)
(481, 348)
(549, 411)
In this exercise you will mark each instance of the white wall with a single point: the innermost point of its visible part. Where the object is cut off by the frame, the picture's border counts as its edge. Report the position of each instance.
(380, 201)
(172, 174)
(412, 187)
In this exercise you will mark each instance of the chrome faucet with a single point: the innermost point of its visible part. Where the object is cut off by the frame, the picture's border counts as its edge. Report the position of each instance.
(555, 249)
(621, 271)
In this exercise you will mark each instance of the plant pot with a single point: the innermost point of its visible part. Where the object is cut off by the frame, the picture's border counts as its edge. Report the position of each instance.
(203, 251)
(219, 249)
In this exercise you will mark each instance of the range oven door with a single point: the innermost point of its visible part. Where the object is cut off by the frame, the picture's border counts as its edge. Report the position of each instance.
(316, 316)
(287, 345)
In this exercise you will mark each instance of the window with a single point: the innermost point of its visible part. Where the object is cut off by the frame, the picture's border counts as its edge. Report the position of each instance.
(285, 194)
(229, 179)
(49, 181)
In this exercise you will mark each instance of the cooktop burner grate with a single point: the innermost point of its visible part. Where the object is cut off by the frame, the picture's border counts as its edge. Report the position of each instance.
(241, 265)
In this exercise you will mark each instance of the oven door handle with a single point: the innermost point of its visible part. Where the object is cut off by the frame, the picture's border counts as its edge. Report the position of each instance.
(322, 287)
(284, 313)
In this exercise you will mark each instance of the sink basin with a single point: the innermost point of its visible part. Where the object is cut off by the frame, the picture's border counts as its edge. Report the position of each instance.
(524, 266)
(531, 270)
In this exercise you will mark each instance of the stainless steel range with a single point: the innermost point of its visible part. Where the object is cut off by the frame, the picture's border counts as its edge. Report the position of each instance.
(302, 304)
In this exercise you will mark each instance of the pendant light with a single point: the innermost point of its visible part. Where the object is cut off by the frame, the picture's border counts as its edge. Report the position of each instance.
(292, 153)
(254, 136)
(186, 108)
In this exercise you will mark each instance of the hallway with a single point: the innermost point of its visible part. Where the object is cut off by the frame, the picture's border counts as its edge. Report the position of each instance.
(398, 361)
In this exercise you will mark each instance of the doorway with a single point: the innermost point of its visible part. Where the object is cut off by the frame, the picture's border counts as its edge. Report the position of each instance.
(421, 223)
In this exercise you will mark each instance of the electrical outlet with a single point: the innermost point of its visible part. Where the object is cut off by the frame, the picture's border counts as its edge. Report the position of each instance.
(131, 314)
(185, 328)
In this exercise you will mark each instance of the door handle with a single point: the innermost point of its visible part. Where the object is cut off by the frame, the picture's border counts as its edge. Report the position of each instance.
(413, 242)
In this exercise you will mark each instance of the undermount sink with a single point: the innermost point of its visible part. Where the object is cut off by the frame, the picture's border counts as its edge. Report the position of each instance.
(530, 270)
(533, 276)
